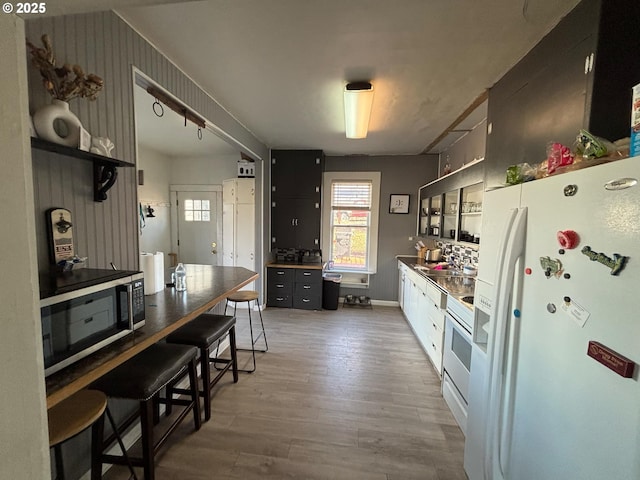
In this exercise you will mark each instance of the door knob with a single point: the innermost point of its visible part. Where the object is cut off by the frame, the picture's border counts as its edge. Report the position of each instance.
(213, 248)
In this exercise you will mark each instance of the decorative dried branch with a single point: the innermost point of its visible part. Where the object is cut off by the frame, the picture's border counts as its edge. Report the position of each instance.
(57, 80)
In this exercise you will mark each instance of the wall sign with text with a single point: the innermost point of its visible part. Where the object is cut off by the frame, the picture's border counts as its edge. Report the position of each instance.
(399, 203)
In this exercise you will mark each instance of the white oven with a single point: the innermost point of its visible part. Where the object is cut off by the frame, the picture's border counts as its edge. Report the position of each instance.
(456, 362)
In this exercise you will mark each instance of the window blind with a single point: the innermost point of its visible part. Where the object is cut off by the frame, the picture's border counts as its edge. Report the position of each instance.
(351, 195)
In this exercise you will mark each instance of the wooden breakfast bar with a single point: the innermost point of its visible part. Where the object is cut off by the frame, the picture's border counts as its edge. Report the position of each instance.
(165, 312)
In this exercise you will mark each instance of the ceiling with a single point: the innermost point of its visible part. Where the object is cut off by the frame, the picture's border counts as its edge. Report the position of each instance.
(280, 66)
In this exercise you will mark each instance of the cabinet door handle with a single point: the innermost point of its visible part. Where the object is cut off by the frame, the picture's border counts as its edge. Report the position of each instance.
(306, 300)
(279, 299)
(280, 285)
(280, 272)
(296, 222)
(293, 221)
(306, 287)
(306, 274)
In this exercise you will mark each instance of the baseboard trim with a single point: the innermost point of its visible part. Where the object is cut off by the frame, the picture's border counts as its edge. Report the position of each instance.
(385, 303)
(380, 303)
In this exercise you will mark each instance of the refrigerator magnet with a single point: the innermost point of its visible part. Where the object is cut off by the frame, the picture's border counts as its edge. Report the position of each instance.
(616, 264)
(611, 359)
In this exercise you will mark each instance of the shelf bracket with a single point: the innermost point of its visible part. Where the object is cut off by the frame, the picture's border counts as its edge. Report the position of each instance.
(104, 177)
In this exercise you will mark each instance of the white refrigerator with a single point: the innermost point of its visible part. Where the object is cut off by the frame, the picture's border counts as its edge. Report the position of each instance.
(558, 396)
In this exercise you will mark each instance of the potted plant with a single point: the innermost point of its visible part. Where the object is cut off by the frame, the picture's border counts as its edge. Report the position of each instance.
(55, 122)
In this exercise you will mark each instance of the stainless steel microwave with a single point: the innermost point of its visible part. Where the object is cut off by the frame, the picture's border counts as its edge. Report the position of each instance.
(80, 322)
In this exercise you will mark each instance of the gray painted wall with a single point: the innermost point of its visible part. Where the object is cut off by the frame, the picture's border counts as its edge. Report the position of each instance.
(155, 236)
(399, 174)
(104, 44)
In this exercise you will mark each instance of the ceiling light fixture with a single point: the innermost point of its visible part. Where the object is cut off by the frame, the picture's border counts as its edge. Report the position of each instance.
(358, 98)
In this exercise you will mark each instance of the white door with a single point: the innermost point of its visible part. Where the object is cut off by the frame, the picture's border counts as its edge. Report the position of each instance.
(197, 232)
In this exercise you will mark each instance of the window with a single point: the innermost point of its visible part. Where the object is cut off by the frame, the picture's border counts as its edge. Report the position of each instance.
(350, 220)
(197, 211)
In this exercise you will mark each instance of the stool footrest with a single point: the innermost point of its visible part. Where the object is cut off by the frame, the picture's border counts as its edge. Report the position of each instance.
(119, 460)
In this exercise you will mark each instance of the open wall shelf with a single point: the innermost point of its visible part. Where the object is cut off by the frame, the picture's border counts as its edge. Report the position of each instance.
(104, 168)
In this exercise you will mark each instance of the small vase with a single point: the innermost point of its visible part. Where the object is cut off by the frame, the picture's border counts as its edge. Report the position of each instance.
(56, 123)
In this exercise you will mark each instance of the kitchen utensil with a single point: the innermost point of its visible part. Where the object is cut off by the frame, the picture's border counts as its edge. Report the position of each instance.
(432, 255)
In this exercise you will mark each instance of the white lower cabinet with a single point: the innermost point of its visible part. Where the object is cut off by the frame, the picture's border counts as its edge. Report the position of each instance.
(423, 305)
(402, 273)
(435, 319)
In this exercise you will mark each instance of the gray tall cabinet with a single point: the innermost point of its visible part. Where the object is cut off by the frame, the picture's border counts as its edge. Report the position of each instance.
(296, 194)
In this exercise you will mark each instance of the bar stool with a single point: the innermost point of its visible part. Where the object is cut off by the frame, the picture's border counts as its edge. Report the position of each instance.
(202, 332)
(248, 296)
(142, 378)
(72, 416)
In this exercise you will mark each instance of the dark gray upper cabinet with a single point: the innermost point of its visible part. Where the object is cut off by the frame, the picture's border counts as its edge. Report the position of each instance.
(295, 223)
(578, 76)
(296, 173)
(296, 194)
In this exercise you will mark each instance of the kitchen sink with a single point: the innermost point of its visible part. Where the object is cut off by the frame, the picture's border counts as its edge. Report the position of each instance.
(436, 273)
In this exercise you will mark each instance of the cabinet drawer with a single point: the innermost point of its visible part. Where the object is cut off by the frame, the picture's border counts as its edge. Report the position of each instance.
(435, 354)
(308, 276)
(437, 295)
(277, 300)
(309, 301)
(280, 275)
(277, 287)
(436, 335)
(305, 289)
(436, 316)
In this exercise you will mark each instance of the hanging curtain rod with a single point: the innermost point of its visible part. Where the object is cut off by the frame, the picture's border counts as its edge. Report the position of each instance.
(177, 107)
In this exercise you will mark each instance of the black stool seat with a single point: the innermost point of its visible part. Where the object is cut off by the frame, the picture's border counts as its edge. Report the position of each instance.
(202, 332)
(142, 378)
(145, 374)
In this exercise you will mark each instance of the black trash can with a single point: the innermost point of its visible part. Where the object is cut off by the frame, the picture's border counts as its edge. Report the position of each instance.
(330, 290)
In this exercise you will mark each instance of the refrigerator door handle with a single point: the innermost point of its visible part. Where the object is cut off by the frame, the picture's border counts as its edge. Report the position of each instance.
(502, 373)
(494, 349)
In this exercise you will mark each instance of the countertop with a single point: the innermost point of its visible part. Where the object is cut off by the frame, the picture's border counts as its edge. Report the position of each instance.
(306, 266)
(166, 311)
(452, 282)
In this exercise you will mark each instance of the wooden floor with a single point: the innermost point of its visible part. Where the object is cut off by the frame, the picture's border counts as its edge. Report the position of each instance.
(344, 394)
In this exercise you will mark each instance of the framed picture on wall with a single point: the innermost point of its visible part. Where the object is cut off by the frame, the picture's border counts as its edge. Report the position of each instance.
(399, 203)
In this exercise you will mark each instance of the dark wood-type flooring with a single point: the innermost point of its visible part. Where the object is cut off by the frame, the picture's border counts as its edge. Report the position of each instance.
(344, 394)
